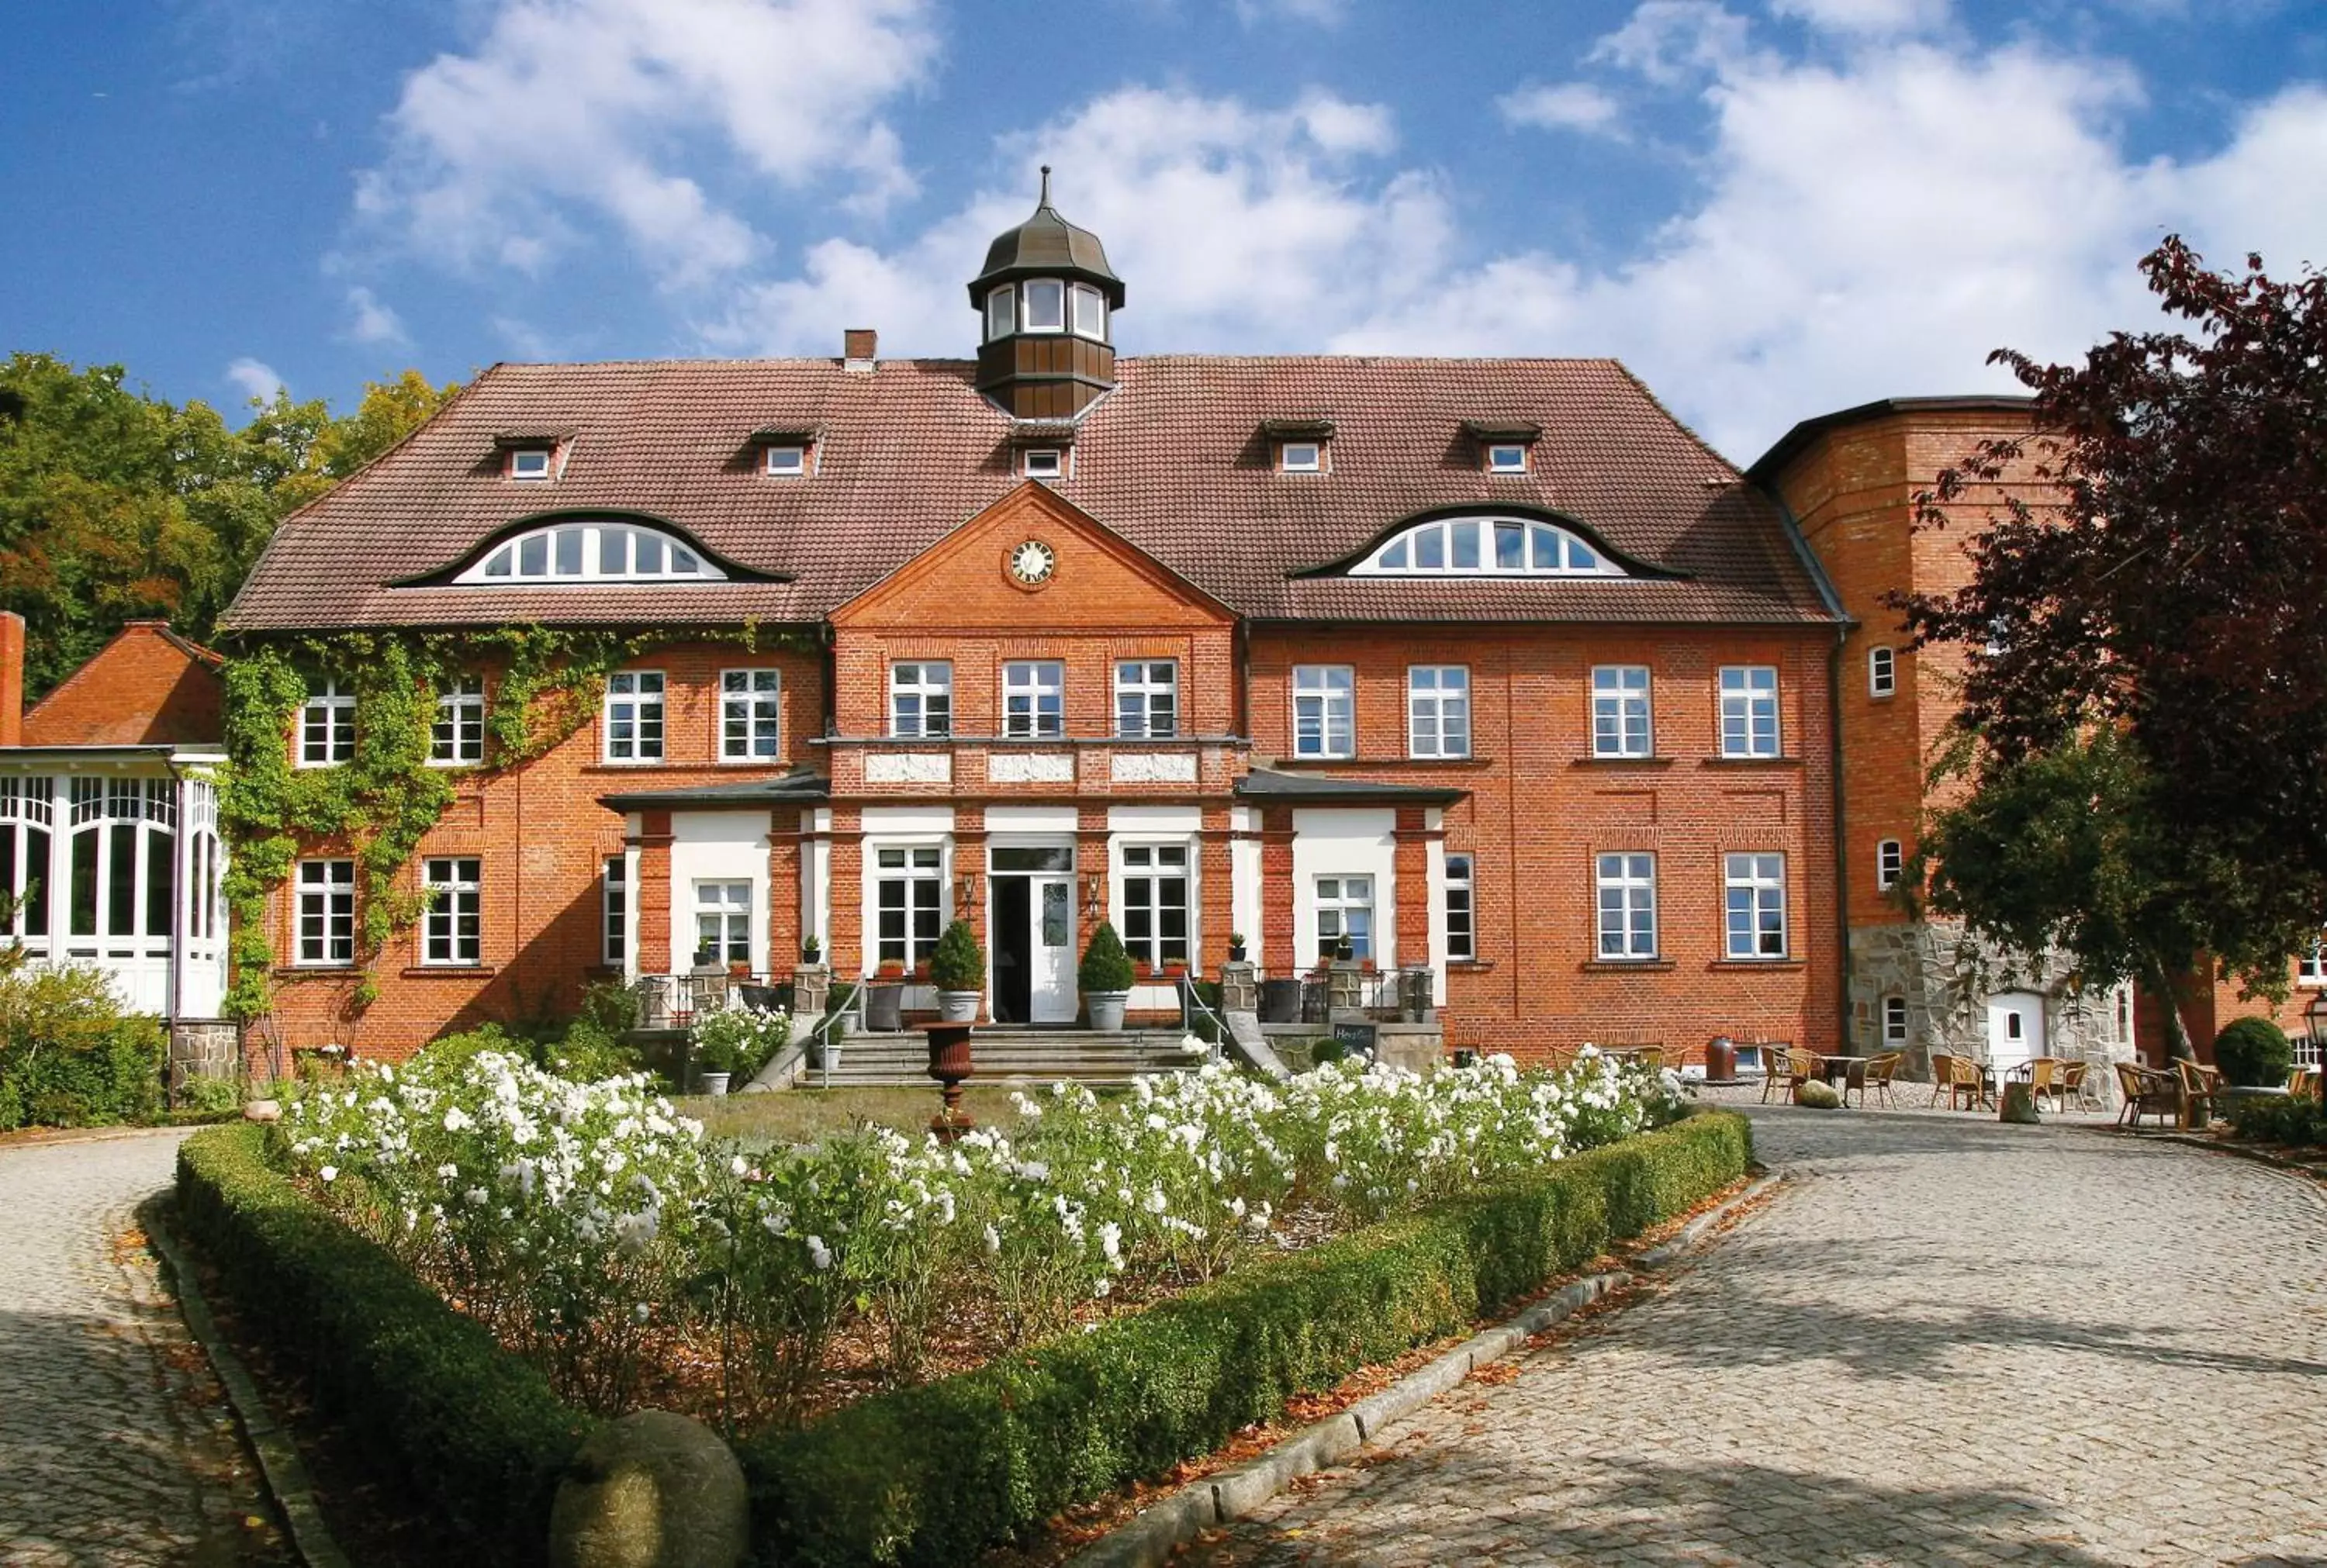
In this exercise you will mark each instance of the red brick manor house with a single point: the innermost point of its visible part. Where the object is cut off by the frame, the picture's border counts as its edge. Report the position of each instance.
(1489, 666)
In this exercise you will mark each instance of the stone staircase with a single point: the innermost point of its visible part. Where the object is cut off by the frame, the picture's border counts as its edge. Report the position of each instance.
(1003, 1054)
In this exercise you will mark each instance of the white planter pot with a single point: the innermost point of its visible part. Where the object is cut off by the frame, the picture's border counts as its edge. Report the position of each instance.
(714, 1083)
(1105, 1008)
(958, 1006)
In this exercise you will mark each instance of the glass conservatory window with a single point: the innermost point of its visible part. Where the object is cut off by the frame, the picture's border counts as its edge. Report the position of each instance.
(1486, 547)
(593, 552)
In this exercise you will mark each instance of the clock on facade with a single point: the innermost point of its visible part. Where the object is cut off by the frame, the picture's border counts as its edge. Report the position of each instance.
(1033, 562)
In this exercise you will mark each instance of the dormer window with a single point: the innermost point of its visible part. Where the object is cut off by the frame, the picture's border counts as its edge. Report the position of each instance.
(582, 551)
(1046, 305)
(1302, 457)
(1001, 312)
(1486, 547)
(1090, 308)
(1045, 463)
(789, 460)
(1507, 457)
(529, 462)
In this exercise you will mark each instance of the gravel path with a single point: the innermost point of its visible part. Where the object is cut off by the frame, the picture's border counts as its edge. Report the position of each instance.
(1945, 1341)
(116, 1446)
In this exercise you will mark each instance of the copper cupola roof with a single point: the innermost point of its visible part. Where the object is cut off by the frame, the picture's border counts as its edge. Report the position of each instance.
(1046, 244)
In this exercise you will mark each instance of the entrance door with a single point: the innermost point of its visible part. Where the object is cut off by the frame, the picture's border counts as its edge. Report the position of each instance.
(1052, 972)
(2015, 1029)
(1031, 929)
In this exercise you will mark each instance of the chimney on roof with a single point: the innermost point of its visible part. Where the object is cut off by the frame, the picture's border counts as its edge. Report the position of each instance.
(857, 347)
(12, 678)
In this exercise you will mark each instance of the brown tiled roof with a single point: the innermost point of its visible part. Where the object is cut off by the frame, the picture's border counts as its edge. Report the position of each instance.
(1173, 459)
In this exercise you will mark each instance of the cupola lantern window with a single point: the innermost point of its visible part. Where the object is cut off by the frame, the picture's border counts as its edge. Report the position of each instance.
(1001, 312)
(1090, 312)
(1046, 305)
(1046, 299)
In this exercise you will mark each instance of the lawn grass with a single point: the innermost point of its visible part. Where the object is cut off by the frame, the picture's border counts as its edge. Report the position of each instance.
(808, 1115)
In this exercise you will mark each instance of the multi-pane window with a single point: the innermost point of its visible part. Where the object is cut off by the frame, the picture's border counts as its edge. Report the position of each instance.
(1033, 699)
(1749, 711)
(27, 820)
(1889, 861)
(450, 931)
(1147, 699)
(921, 698)
(722, 923)
(1755, 890)
(750, 715)
(1472, 546)
(1345, 908)
(1628, 906)
(1324, 711)
(2310, 968)
(614, 910)
(1881, 672)
(1461, 910)
(591, 552)
(327, 724)
(1895, 1020)
(1438, 710)
(906, 892)
(327, 912)
(634, 715)
(1619, 710)
(458, 736)
(1155, 903)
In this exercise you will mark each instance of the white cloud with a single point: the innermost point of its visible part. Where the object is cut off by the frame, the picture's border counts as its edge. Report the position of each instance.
(566, 112)
(254, 378)
(1320, 13)
(1571, 106)
(1670, 41)
(1869, 17)
(371, 321)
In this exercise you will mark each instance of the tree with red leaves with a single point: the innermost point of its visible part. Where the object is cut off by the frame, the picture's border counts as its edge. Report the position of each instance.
(2147, 636)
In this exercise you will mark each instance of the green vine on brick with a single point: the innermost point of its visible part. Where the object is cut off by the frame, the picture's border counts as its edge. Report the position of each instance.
(546, 684)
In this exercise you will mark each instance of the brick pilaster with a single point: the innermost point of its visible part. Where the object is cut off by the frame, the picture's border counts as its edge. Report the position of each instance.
(1277, 953)
(1411, 865)
(654, 892)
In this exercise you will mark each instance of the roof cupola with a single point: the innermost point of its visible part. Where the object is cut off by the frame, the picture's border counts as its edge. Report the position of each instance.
(1046, 295)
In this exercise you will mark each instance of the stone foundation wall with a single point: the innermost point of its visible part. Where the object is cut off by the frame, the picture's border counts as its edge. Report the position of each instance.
(209, 1049)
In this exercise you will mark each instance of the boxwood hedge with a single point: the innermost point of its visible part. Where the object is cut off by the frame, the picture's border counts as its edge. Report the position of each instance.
(473, 1435)
(936, 1474)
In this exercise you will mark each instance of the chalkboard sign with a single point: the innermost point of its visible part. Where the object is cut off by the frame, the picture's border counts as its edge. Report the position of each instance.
(1354, 1036)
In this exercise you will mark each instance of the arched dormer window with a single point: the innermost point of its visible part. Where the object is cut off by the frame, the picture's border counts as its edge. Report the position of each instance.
(575, 551)
(1486, 547)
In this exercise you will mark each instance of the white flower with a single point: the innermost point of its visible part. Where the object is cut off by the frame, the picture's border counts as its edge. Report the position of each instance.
(639, 1312)
(457, 1120)
(736, 1166)
(992, 1241)
(819, 1255)
(330, 1173)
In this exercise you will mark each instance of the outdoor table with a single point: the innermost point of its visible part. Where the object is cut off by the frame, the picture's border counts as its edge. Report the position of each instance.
(1835, 1069)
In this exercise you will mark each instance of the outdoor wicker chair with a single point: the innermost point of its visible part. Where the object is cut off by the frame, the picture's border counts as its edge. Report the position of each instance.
(1943, 1075)
(2302, 1084)
(2044, 1078)
(2200, 1085)
(2070, 1084)
(1874, 1074)
(1778, 1069)
(1966, 1083)
(2146, 1091)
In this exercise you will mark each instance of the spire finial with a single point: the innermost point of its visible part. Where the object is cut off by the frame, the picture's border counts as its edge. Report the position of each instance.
(1045, 202)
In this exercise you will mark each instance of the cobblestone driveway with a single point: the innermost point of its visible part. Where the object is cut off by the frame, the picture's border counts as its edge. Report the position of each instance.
(1945, 1342)
(115, 1446)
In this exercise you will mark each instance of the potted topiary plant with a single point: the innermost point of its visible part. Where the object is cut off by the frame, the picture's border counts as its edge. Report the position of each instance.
(1105, 977)
(2254, 1053)
(811, 950)
(958, 969)
(1236, 947)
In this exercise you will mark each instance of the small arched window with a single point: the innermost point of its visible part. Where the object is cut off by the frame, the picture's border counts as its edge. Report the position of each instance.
(593, 552)
(1486, 547)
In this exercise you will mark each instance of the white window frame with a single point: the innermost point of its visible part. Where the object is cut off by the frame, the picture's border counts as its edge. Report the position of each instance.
(2310, 968)
(1461, 910)
(1507, 457)
(1758, 877)
(454, 886)
(327, 724)
(1894, 1020)
(1145, 863)
(530, 465)
(1139, 696)
(1093, 324)
(750, 712)
(922, 692)
(1320, 689)
(1889, 864)
(457, 737)
(1484, 544)
(787, 461)
(576, 550)
(323, 915)
(1039, 684)
(1335, 907)
(1624, 890)
(1623, 712)
(1026, 321)
(637, 698)
(614, 910)
(1301, 457)
(1438, 712)
(1881, 672)
(920, 869)
(1749, 723)
(1005, 295)
(1042, 463)
(715, 901)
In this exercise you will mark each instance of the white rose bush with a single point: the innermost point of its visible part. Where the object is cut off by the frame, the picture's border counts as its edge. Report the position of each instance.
(598, 1232)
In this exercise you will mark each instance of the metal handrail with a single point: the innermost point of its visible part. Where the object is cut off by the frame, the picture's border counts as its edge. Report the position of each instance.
(1193, 1007)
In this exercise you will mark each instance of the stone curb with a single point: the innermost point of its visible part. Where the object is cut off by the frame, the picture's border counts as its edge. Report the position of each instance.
(284, 1473)
(1149, 1538)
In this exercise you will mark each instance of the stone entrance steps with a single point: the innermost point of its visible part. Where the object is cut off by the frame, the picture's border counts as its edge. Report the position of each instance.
(1001, 1053)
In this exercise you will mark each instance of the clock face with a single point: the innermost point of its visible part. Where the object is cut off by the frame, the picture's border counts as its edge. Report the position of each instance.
(1033, 562)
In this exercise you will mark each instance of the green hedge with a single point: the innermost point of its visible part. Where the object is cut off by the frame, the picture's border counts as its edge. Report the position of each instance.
(936, 1474)
(475, 1435)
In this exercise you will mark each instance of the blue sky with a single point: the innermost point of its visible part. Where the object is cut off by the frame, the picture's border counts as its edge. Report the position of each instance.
(1767, 207)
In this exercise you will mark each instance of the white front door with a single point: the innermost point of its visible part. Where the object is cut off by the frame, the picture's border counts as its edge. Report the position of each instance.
(1052, 973)
(2015, 1029)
